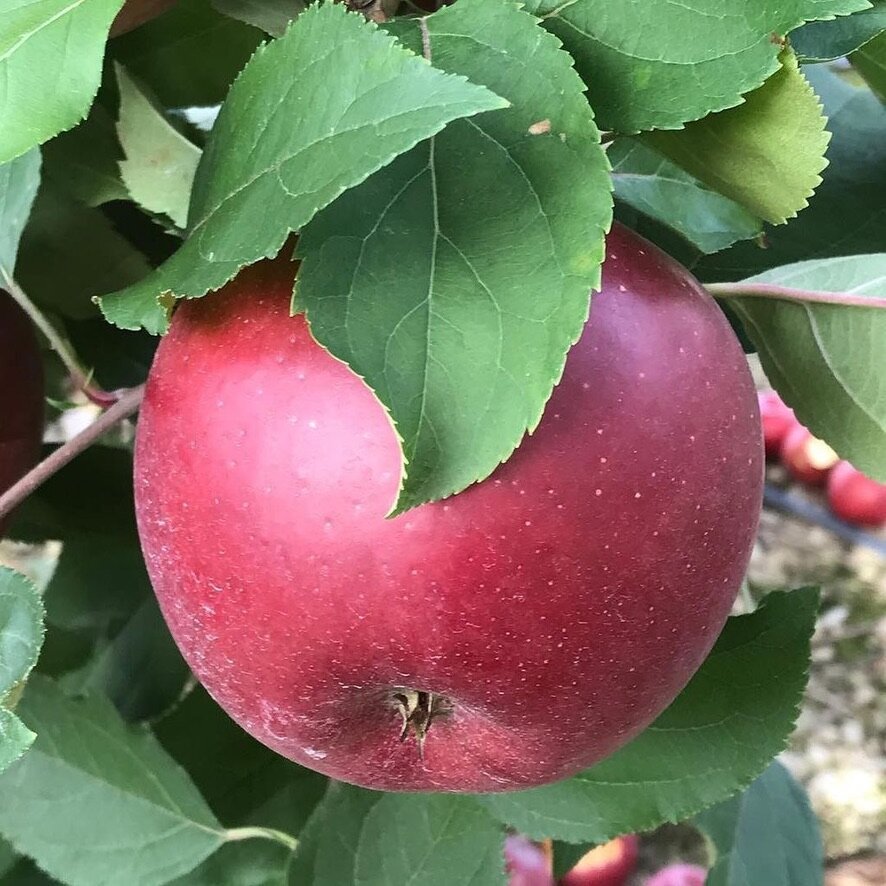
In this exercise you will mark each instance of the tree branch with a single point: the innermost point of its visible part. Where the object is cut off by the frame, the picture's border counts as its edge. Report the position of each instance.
(127, 404)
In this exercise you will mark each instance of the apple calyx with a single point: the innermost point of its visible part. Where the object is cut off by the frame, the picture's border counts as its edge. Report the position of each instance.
(418, 709)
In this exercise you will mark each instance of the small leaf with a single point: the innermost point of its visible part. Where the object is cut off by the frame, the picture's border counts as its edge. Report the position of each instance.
(160, 162)
(261, 177)
(848, 212)
(767, 834)
(50, 67)
(243, 781)
(19, 180)
(766, 154)
(870, 62)
(97, 801)
(21, 636)
(251, 863)
(498, 234)
(272, 16)
(827, 40)
(661, 64)
(327, 848)
(70, 253)
(661, 190)
(189, 56)
(720, 732)
(139, 669)
(100, 578)
(440, 840)
(827, 360)
(358, 836)
(83, 161)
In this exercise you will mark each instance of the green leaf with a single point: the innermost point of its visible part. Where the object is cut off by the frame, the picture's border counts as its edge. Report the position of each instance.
(870, 62)
(243, 781)
(659, 64)
(327, 848)
(189, 56)
(272, 16)
(498, 234)
(8, 859)
(253, 863)
(21, 636)
(719, 733)
(359, 836)
(440, 840)
(261, 177)
(19, 180)
(50, 67)
(661, 190)
(765, 154)
(847, 215)
(827, 40)
(83, 162)
(70, 253)
(827, 360)
(97, 801)
(100, 578)
(26, 873)
(767, 834)
(160, 162)
(139, 669)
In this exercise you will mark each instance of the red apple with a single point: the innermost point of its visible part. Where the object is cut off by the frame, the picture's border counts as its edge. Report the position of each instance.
(777, 418)
(527, 863)
(21, 394)
(608, 865)
(807, 458)
(855, 497)
(511, 635)
(680, 875)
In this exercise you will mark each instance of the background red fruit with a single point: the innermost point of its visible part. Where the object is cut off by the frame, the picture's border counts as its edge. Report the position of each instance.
(777, 419)
(855, 497)
(680, 875)
(137, 12)
(608, 865)
(21, 394)
(807, 458)
(527, 863)
(535, 622)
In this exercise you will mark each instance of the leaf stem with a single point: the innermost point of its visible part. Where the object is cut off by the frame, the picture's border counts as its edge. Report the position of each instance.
(425, 39)
(788, 293)
(256, 833)
(81, 379)
(127, 404)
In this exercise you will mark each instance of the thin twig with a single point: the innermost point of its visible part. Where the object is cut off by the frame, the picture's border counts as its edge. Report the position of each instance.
(788, 293)
(81, 379)
(252, 833)
(125, 406)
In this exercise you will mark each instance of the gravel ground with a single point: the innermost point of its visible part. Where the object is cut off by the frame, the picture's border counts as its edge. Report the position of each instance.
(839, 747)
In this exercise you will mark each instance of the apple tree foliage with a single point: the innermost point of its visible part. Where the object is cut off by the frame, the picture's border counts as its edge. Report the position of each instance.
(451, 173)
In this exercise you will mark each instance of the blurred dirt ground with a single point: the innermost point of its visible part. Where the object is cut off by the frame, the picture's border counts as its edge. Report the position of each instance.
(838, 749)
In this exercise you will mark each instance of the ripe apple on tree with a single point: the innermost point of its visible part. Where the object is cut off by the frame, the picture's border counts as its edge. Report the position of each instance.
(503, 638)
(21, 394)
